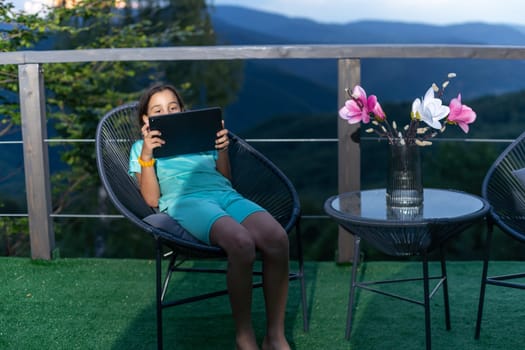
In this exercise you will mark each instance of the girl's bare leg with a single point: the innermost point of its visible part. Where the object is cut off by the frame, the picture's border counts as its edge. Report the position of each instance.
(272, 241)
(240, 247)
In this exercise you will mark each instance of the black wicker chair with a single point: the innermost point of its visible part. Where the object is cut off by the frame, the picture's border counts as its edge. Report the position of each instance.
(254, 176)
(505, 192)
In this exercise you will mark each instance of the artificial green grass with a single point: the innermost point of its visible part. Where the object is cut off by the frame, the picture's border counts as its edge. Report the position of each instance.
(109, 304)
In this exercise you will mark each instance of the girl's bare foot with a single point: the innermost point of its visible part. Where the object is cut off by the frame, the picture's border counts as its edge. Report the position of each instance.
(246, 343)
(275, 344)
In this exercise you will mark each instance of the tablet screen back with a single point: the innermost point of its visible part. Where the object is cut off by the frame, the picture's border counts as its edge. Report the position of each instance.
(187, 132)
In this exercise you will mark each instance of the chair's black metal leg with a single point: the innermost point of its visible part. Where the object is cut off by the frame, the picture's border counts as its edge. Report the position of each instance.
(426, 291)
(445, 287)
(159, 293)
(167, 278)
(301, 274)
(351, 296)
(484, 278)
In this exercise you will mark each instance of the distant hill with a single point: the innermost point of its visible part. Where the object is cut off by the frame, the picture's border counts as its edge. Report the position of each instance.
(391, 79)
(519, 28)
(286, 30)
(307, 88)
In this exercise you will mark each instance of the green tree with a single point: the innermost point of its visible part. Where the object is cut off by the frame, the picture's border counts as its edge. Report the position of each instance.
(17, 32)
(78, 94)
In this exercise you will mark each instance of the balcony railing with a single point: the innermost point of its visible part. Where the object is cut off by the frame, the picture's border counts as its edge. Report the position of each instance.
(33, 116)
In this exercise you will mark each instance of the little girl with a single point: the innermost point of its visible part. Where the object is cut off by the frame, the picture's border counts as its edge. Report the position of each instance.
(195, 189)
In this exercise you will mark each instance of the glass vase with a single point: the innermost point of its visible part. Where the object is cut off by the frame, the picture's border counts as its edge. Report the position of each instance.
(404, 189)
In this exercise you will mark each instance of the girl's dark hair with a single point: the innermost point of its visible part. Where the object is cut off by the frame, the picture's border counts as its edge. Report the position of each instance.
(142, 107)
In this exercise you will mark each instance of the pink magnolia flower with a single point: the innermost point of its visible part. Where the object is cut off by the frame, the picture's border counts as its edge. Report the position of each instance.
(460, 114)
(360, 107)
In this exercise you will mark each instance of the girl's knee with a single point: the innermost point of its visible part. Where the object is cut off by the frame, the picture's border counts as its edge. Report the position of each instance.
(241, 247)
(275, 240)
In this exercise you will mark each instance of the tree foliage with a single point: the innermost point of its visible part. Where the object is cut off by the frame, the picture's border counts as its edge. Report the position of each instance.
(78, 94)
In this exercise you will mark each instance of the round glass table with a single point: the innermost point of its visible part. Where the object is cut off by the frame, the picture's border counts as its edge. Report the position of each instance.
(406, 231)
(399, 231)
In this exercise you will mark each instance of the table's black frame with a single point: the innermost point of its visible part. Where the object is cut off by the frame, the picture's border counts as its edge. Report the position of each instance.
(442, 228)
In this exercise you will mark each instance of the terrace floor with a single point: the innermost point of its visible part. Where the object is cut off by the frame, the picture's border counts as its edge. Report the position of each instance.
(109, 304)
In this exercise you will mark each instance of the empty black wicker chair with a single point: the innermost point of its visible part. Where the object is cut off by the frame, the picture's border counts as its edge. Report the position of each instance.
(254, 176)
(504, 188)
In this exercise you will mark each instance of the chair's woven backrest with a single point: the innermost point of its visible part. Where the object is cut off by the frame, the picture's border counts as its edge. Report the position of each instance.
(505, 192)
(116, 132)
(258, 179)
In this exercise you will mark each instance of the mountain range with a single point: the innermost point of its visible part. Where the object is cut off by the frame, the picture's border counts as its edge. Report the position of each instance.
(308, 87)
(273, 89)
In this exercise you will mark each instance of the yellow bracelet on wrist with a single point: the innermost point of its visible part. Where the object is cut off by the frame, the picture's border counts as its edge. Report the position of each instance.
(147, 164)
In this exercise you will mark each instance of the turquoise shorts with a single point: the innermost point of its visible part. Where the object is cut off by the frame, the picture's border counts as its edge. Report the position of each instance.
(197, 212)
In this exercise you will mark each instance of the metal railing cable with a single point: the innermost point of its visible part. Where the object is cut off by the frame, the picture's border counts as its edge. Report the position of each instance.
(250, 140)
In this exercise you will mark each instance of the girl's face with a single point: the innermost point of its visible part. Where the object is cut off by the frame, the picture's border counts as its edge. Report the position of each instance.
(163, 102)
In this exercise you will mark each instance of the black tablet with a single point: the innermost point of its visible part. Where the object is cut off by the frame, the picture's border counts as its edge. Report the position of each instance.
(187, 132)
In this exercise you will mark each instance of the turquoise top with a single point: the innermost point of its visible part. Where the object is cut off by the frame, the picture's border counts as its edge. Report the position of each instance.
(181, 175)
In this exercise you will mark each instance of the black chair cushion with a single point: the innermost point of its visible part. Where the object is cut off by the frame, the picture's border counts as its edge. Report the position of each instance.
(166, 223)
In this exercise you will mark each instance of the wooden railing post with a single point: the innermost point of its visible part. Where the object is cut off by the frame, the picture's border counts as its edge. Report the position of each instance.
(36, 160)
(349, 150)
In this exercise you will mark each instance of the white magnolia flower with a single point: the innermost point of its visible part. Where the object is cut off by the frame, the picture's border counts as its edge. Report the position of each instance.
(430, 110)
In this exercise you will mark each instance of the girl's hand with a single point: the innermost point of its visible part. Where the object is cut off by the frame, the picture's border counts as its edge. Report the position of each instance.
(222, 141)
(151, 140)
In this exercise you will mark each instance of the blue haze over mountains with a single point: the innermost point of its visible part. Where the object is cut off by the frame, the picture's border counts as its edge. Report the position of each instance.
(308, 87)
